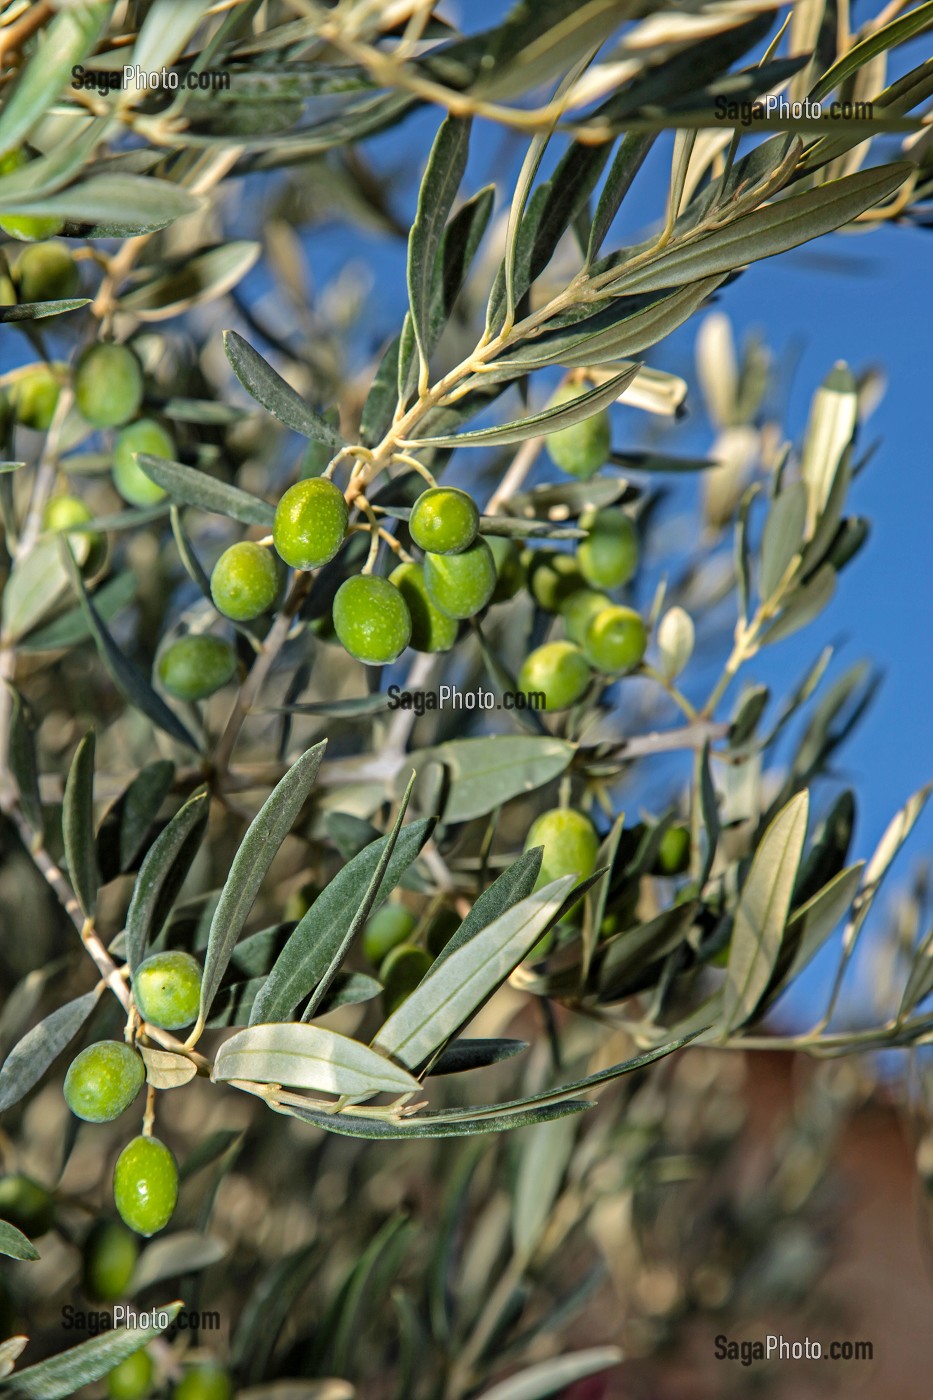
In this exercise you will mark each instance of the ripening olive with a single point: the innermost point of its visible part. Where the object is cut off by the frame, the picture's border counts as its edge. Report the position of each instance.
(108, 385)
(145, 435)
(371, 619)
(244, 581)
(431, 630)
(310, 523)
(582, 448)
(615, 639)
(570, 844)
(444, 520)
(167, 989)
(145, 1185)
(608, 557)
(103, 1080)
(559, 670)
(195, 667)
(461, 584)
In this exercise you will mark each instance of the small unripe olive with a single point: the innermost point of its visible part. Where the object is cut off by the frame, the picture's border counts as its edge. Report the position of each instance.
(28, 227)
(553, 577)
(388, 927)
(615, 639)
(401, 972)
(34, 396)
(371, 619)
(570, 844)
(195, 667)
(582, 448)
(608, 557)
(110, 1254)
(310, 523)
(579, 609)
(207, 1382)
(131, 1378)
(444, 520)
(244, 581)
(46, 272)
(26, 1204)
(145, 1185)
(431, 630)
(559, 670)
(167, 989)
(461, 584)
(62, 513)
(510, 571)
(103, 1080)
(673, 856)
(145, 435)
(108, 385)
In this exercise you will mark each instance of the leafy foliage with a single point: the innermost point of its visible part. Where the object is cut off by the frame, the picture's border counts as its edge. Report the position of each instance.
(262, 827)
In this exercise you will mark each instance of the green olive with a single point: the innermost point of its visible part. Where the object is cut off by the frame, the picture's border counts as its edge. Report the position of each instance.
(103, 1080)
(145, 1185)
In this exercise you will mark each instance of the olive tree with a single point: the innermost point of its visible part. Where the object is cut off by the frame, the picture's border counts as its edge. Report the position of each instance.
(328, 680)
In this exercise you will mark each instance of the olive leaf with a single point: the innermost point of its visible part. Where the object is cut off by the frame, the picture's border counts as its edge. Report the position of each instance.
(309, 1057)
(31, 1057)
(268, 388)
(455, 987)
(78, 825)
(63, 1375)
(258, 849)
(761, 913)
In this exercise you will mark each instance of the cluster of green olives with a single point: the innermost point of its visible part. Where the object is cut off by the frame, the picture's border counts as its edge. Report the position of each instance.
(601, 636)
(105, 1078)
(375, 618)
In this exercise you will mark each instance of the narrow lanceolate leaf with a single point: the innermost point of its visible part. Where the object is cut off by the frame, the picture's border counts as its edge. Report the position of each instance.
(258, 849)
(878, 41)
(783, 536)
(64, 1375)
(14, 1244)
(451, 992)
(312, 944)
(184, 281)
(309, 1057)
(67, 40)
(185, 1252)
(36, 582)
(897, 832)
(541, 1166)
(165, 31)
(31, 1056)
(484, 773)
(133, 685)
(549, 1377)
(78, 825)
(267, 387)
(833, 416)
(550, 1097)
(40, 310)
(549, 420)
(21, 757)
(196, 488)
(463, 1055)
(813, 923)
(362, 912)
(774, 229)
(625, 166)
(761, 913)
(506, 890)
(352, 1125)
(124, 829)
(169, 858)
(128, 203)
(445, 168)
(803, 605)
(71, 627)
